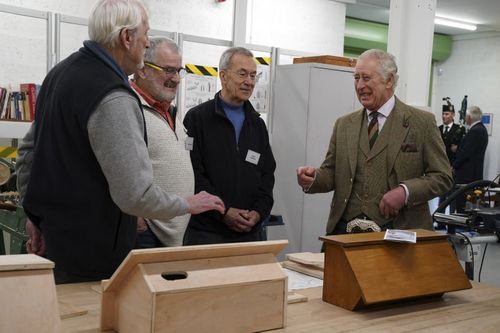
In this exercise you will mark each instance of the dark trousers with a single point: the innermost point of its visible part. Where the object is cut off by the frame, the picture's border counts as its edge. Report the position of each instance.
(62, 277)
(147, 239)
(198, 237)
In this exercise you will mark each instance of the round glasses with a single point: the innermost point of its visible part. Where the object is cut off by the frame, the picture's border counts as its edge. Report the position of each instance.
(243, 75)
(170, 71)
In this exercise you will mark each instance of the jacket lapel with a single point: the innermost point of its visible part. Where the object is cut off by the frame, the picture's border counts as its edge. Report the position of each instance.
(399, 130)
(353, 133)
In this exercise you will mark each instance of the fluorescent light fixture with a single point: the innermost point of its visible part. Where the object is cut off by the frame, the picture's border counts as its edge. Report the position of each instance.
(455, 24)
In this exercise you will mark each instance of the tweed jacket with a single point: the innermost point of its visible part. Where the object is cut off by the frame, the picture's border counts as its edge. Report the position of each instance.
(415, 156)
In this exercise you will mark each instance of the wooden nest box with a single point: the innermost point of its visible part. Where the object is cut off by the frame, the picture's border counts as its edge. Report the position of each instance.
(28, 300)
(364, 269)
(238, 287)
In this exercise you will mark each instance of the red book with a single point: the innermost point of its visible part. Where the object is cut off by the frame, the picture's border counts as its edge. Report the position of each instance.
(30, 90)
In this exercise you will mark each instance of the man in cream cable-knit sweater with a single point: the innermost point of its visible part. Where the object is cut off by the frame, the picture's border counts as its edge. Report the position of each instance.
(156, 84)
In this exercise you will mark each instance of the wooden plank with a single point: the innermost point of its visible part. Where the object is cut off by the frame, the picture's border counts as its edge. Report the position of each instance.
(68, 310)
(17, 262)
(327, 59)
(189, 252)
(293, 298)
(308, 258)
(305, 269)
(366, 238)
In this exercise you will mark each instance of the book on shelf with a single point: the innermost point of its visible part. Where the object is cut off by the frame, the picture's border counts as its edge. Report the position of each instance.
(18, 104)
(30, 90)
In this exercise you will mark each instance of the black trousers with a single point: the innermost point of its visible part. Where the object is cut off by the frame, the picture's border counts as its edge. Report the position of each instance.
(198, 237)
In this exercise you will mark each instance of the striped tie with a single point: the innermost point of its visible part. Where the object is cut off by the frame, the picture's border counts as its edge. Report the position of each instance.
(373, 128)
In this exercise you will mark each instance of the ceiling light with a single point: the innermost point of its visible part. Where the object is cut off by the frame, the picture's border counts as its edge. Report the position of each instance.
(454, 24)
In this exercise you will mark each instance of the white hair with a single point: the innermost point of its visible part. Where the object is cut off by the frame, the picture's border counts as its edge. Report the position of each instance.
(109, 17)
(387, 63)
(475, 113)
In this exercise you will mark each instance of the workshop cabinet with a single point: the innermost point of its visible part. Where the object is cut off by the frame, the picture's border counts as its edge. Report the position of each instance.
(308, 98)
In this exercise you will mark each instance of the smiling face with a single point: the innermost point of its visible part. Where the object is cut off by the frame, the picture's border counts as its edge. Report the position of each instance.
(237, 82)
(371, 87)
(159, 84)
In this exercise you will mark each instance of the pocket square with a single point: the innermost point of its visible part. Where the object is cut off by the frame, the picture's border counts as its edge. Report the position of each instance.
(409, 147)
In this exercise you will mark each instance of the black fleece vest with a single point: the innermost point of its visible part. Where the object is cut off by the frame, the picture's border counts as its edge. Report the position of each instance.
(68, 196)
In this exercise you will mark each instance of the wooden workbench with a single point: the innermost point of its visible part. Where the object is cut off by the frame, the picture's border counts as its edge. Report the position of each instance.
(473, 310)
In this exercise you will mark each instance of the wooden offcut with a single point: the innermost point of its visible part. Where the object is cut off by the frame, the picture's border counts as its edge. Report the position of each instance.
(304, 269)
(327, 59)
(29, 301)
(363, 269)
(212, 288)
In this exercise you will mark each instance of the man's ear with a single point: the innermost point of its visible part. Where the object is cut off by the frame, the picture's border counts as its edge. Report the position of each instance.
(223, 76)
(390, 81)
(126, 38)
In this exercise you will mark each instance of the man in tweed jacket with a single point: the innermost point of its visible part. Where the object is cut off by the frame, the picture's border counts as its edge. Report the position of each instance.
(391, 182)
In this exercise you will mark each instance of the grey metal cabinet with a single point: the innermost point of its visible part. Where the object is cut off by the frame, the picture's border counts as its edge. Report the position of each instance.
(308, 98)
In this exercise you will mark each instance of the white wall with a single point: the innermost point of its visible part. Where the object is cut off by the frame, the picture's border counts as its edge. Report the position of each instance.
(473, 69)
(315, 26)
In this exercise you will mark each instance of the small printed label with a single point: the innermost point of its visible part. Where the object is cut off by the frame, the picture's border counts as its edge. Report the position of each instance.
(188, 144)
(396, 235)
(252, 157)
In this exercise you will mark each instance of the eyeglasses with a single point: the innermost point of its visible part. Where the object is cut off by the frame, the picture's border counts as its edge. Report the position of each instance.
(243, 75)
(170, 71)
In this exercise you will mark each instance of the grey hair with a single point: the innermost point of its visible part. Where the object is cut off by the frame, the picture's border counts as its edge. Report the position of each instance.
(226, 57)
(475, 113)
(154, 42)
(386, 61)
(109, 17)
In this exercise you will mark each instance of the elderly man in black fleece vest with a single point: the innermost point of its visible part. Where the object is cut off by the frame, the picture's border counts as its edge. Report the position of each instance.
(90, 173)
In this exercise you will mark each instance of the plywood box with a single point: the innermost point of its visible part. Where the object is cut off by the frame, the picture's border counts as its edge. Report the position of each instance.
(207, 288)
(28, 301)
(327, 59)
(363, 269)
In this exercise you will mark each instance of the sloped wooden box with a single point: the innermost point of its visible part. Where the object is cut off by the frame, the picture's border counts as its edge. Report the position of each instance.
(327, 59)
(28, 301)
(207, 288)
(364, 269)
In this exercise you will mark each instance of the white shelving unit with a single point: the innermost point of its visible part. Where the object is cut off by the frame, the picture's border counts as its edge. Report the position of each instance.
(13, 129)
(308, 98)
(17, 129)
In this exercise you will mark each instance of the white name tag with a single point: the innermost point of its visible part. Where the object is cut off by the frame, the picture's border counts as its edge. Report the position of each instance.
(188, 144)
(252, 157)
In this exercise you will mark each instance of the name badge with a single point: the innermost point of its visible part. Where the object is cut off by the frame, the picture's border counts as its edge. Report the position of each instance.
(188, 144)
(252, 157)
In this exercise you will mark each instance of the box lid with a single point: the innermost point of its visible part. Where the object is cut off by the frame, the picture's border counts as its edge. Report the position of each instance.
(18, 262)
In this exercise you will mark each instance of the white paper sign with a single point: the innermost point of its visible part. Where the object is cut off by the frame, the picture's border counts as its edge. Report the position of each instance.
(396, 235)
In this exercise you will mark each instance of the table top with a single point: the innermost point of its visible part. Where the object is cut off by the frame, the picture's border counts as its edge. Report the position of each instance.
(473, 310)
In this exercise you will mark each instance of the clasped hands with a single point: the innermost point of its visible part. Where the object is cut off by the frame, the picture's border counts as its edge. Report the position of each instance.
(241, 220)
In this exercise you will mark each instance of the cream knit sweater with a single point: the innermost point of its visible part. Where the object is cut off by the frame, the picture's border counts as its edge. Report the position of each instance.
(172, 171)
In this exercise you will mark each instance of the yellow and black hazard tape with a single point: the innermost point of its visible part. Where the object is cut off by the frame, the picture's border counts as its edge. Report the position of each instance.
(201, 70)
(263, 60)
(8, 152)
